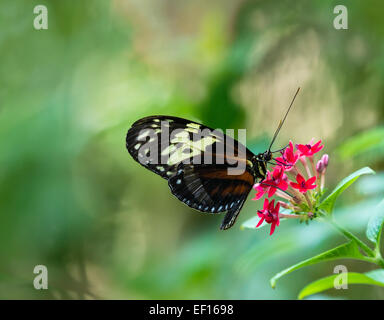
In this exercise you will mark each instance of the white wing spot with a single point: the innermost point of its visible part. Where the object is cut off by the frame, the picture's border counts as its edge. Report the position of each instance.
(193, 130)
(182, 137)
(168, 149)
(160, 168)
(193, 125)
(178, 181)
(143, 134)
(137, 146)
(195, 147)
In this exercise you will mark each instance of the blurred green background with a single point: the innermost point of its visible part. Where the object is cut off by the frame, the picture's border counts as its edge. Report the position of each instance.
(71, 198)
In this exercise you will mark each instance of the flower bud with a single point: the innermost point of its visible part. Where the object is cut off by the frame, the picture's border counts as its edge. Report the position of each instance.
(325, 159)
(320, 166)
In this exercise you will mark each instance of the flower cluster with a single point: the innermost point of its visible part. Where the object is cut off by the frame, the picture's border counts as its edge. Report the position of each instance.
(294, 180)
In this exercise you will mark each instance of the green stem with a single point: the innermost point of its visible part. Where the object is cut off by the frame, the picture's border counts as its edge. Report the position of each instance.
(288, 216)
(308, 201)
(371, 253)
(377, 246)
(380, 261)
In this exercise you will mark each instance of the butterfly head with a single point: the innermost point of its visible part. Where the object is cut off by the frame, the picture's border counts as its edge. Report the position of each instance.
(260, 162)
(264, 157)
(267, 156)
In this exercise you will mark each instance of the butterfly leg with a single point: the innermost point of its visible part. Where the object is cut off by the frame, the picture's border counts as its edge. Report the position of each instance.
(271, 185)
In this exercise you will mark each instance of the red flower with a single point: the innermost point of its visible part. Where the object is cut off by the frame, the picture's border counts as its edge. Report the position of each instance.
(277, 179)
(303, 185)
(270, 214)
(261, 190)
(274, 180)
(289, 157)
(309, 149)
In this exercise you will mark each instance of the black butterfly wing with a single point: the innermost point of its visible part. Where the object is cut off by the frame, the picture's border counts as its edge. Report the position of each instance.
(146, 135)
(211, 189)
(205, 187)
(137, 139)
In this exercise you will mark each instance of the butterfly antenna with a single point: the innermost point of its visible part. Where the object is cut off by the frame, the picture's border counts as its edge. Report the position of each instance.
(271, 185)
(282, 121)
(282, 149)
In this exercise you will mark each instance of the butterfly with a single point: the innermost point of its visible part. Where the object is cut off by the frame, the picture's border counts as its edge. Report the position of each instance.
(206, 169)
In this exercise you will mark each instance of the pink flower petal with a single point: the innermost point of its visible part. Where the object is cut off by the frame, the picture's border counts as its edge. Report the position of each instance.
(316, 144)
(310, 181)
(266, 203)
(283, 185)
(271, 205)
(273, 226)
(271, 192)
(299, 178)
(295, 185)
(260, 222)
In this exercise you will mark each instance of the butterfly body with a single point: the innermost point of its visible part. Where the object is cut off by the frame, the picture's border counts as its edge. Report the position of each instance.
(205, 169)
(222, 185)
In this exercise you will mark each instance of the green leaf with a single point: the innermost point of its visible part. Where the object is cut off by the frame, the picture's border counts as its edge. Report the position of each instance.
(375, 224)
(371, 185)
(328, 203)
(375, 277)
(252, 222)
(348, 250)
